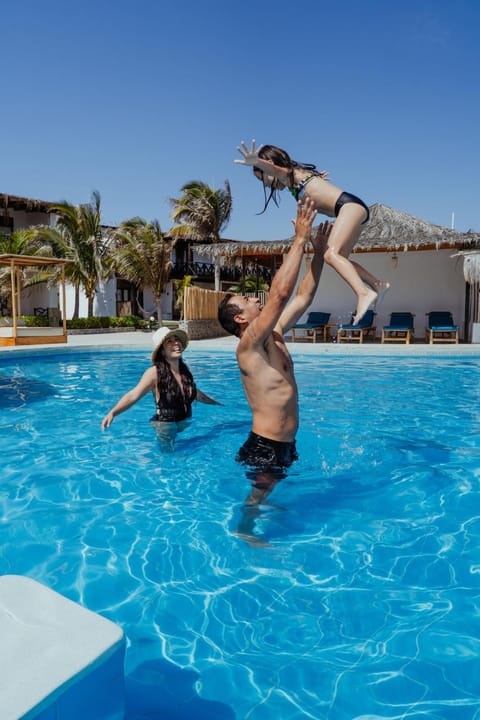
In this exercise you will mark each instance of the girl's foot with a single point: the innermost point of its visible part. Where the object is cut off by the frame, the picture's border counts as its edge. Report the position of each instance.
(381, 288)
(364, 303)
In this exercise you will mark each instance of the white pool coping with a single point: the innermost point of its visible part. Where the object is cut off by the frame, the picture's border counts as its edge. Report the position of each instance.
(53, 653)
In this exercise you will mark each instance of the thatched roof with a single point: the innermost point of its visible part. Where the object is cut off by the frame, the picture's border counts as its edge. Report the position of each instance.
(387, 230)
(390, 229)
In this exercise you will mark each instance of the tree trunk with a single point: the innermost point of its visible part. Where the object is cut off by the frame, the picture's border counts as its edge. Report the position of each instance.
(217, 273)
(159, 310)
(76, 307)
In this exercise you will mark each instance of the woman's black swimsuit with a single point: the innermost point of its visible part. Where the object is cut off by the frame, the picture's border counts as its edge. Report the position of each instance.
(172, 404)
(265, 455)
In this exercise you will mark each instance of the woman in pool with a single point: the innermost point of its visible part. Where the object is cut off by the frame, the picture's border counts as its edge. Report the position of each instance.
(172, 385)
(277, 171)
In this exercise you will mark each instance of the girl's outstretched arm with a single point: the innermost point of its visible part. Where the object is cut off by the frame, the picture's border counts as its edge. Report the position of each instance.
(250, 155)
(251, 159)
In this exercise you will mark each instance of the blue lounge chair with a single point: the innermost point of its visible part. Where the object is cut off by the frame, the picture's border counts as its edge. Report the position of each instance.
(440, 327)
(400, 328)
(317, 324)
(355, 333)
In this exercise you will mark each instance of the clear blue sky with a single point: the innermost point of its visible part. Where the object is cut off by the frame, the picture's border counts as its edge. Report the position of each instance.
(133, 98)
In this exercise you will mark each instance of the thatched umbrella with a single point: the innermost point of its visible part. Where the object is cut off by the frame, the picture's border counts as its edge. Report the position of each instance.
(390, 229)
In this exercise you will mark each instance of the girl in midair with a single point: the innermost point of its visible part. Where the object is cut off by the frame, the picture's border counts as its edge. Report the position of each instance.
(277, 171)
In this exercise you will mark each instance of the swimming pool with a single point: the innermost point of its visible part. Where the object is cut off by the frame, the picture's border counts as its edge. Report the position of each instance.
(355, 592)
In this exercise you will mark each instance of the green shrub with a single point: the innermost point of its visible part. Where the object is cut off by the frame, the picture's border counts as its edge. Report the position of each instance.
(34, 321)
(125, 321)
(92, 323)
(95, 323)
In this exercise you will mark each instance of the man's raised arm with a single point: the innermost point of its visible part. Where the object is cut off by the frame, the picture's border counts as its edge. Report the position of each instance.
(308, 287)
(286, 277)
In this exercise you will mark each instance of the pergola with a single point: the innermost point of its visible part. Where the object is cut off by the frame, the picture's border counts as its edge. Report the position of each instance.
(15, 333)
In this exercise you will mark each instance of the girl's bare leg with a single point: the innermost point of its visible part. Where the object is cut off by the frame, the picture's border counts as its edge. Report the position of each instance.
(367, 277)
(345, 233)
(380, 286)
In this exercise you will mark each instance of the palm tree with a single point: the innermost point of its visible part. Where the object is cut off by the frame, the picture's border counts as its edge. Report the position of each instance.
(251, 284)
(80, 238)
(203, 212)
(180, 286)
(23, 242)
(143, 256)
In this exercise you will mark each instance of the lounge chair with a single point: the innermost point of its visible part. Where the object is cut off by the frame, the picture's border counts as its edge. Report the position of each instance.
(440, 327)
(316, 324)
(355, 333)
(400, 328)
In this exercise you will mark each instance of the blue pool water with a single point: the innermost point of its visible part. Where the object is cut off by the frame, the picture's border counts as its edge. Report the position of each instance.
(355, 591)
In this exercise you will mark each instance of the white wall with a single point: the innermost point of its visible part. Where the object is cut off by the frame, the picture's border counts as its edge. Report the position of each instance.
(38, 296)
(104, 303)
(165, 302)
(70, 302)
(424, 280)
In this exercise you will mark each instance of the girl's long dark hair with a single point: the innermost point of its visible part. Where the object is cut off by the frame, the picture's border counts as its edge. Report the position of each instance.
(282, 159)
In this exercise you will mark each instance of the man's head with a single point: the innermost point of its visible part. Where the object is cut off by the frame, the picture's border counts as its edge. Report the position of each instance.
(236, 312)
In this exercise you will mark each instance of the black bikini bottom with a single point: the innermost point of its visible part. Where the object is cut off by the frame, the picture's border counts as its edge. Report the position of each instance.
(345, 198)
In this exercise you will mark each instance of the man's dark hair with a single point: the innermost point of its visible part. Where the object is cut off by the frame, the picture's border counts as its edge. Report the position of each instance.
(226, 314)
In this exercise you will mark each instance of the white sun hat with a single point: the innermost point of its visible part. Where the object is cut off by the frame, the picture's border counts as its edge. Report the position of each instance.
(162, 334)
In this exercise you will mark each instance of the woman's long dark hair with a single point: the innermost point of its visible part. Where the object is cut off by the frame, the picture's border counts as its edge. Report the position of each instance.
(282, 159)
(168, 386)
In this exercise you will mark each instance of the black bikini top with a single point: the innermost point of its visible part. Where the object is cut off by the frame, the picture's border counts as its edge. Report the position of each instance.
(298, 190)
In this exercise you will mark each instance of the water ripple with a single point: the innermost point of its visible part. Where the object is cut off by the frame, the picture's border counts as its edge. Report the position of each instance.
(355, 597)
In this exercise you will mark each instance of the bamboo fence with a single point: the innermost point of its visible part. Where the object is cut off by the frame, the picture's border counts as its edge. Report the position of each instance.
(200, 304)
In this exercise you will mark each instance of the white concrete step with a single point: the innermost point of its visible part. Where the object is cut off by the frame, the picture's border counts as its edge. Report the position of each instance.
(58, 661)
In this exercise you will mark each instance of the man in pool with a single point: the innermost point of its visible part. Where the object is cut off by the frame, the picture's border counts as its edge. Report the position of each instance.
(265, 364)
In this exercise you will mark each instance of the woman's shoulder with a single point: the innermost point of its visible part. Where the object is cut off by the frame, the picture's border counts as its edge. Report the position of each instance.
(151, 372)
